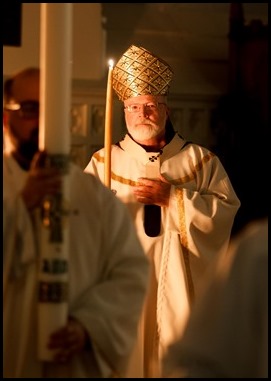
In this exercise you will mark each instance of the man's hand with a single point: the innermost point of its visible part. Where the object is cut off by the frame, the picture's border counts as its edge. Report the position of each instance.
(69, 340)
(40, 182)
(152, 191)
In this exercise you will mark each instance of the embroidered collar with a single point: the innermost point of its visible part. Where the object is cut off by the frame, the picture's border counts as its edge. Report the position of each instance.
(139, 153)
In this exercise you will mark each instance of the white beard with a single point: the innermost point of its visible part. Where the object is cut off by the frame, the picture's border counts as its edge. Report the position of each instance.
(146, 132)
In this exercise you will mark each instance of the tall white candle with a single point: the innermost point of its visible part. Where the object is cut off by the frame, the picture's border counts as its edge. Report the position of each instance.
(108, 127)
(54, 137)
(55, 64)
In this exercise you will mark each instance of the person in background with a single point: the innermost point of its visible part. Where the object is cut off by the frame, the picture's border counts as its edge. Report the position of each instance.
(179, 196)
(108, 269)
(227, 333)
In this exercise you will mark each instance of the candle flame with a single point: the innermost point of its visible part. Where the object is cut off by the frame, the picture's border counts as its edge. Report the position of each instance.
(111, 63)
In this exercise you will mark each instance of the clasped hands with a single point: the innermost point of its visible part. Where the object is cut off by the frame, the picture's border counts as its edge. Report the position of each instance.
(149, 191)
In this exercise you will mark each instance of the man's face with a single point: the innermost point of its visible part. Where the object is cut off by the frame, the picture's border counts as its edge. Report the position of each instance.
(145, 116)
(22, 124)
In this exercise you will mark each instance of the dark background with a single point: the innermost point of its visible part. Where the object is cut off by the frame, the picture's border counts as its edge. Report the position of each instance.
(12, 25)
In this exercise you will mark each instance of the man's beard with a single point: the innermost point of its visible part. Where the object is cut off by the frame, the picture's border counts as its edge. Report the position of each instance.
(27, 148)
(146, 132)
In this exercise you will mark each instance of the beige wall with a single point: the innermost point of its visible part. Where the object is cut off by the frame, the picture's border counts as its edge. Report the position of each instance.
(88, 42)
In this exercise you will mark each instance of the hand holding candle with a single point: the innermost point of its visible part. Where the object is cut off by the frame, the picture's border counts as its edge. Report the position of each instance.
(108, 127)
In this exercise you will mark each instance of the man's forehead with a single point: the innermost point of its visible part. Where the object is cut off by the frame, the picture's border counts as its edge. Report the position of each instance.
(26, 88)
(145, 99)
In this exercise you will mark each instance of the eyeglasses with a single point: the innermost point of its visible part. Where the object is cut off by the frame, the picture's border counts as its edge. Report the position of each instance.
(150, 107)
(26, 109)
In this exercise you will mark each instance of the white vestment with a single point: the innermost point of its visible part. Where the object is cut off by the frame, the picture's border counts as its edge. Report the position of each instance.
(195, 227)
(227, 334)
(108, 275)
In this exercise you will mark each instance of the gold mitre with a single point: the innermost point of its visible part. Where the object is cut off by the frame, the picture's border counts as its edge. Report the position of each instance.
(140, 72)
